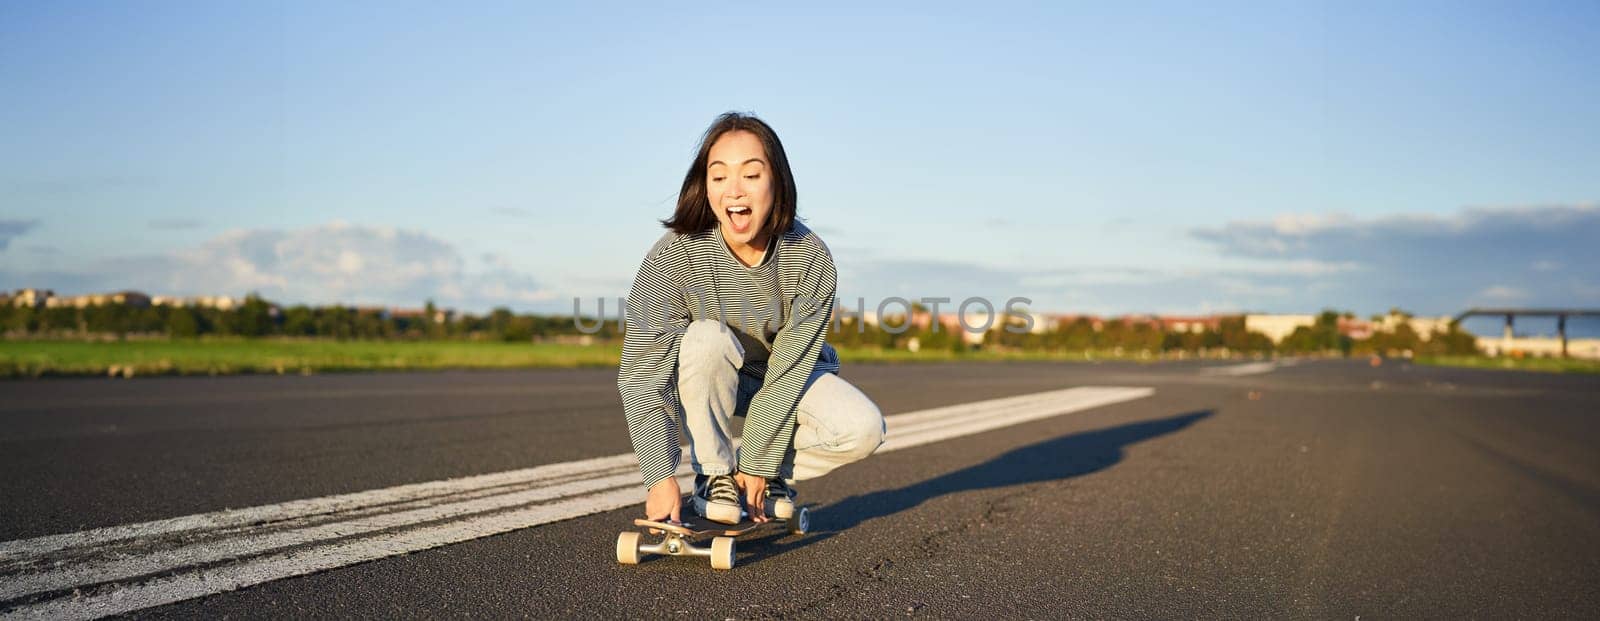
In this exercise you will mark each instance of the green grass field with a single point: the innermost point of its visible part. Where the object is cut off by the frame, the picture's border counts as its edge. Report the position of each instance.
(288, 356)
(19, 359)
(1547, 365)
(229, 356)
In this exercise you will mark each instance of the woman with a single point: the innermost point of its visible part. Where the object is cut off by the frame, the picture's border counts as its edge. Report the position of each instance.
(727, 318)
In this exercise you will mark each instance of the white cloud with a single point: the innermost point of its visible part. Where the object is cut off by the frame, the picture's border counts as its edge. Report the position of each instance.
(1425, 262)
(11, 229)
(1303, 224)
(1293, 267)
(1296, 263)
(333, 263)
(1502, 294)
(1096, 289)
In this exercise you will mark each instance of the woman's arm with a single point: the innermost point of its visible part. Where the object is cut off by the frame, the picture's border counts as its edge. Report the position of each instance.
(656, 318)
(770, 421)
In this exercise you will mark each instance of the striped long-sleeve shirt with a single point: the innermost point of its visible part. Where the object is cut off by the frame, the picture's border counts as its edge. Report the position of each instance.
(779, 310)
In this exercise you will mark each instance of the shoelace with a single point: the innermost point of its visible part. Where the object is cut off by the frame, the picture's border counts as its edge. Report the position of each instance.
(723, 489)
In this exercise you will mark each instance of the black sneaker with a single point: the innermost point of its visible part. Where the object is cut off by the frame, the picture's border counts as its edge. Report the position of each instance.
(716, 498)
(780, 499)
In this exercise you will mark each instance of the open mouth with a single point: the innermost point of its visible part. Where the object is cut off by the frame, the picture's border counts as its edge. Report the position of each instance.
(739, 218)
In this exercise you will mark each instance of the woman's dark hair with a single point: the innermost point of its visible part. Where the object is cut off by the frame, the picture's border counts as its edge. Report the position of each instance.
(694, 211)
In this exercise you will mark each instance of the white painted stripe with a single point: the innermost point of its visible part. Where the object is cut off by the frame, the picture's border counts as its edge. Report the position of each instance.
(903, 435)
(203, 582)
(327, 505)
(1249, 368)
(259, 544)
(181, 555)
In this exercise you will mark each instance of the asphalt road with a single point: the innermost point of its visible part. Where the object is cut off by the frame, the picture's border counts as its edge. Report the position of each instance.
(1326, 489)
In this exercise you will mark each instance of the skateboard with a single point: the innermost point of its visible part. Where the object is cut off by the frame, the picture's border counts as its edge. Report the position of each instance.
(678, 538)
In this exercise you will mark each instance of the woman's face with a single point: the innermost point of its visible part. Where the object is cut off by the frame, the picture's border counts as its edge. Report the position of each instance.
(739, 188)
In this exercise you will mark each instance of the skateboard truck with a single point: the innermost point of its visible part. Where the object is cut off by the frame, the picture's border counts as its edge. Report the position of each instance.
(678, 539)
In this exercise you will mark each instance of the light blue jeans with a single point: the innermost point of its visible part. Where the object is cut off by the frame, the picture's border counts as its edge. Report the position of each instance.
(836, 423)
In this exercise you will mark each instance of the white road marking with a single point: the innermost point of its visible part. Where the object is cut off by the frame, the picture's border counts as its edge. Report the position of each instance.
(1249, 368)
(327, 505)
(918, 428)
(118, 569)
(247, 543)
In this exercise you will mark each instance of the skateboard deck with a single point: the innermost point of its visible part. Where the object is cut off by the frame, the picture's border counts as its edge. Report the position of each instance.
(678, 538)
(688, 529)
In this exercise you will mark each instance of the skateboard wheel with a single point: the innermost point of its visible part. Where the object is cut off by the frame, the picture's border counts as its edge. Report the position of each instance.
(722, 553)
(780, 508)
(628, 548)
(801, 522)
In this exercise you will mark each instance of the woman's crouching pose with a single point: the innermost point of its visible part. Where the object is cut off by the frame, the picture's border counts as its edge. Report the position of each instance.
(727, 317)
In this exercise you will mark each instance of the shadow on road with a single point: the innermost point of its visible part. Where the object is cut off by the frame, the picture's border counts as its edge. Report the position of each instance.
(1052, 460)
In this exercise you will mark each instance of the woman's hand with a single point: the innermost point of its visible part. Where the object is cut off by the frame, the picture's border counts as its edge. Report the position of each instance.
(663, 501)
(755, 495)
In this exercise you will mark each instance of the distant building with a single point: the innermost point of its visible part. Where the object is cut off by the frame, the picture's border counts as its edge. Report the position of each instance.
(1042, 323)
(1538, 347)
(1423, 326)
(128, 298)
(866, 316)
(439, 315)
(1276, 327)
(1358, 329)
(1175, 323)
(1095, 322)
(950, 323)
(32, 298)
(1139, 320)
(219, 302)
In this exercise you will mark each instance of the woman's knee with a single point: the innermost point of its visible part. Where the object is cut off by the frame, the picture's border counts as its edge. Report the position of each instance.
(708, 341)
(862, 430)
(871, 431)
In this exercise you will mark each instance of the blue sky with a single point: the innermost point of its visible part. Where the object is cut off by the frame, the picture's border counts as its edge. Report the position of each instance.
(1159, 158)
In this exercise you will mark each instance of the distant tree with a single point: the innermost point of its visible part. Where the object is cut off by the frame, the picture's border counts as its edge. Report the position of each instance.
(517, 330)
(334, 321)
(958, 341)
(299, 320)
(1233, 335)
(430, 328)
(843, 332)
(1405, 338)
(254, 318)
(1146, 337)
(499, 321)
(182, 323)
(934, 337)
(150, 319)
(371, 324)
(1320, 337)
(103, 319)
(1452, 342)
